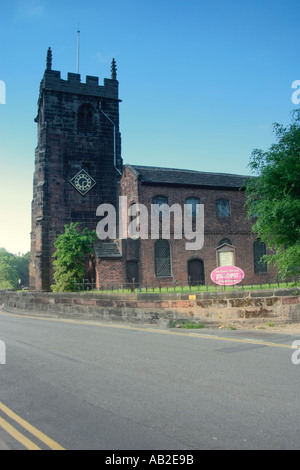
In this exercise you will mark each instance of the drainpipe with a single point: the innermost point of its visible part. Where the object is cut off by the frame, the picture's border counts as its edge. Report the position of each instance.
(115, 157)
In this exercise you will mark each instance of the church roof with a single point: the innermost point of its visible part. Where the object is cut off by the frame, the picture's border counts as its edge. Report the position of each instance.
(177, 177)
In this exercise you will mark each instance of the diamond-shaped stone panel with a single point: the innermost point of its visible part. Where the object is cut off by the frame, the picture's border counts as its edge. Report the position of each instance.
(83, 182)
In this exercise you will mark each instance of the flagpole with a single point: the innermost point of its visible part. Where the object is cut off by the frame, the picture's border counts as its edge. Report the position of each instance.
(77, 68)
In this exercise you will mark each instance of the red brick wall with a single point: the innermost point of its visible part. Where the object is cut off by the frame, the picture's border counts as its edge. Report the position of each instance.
(236, 228)
(110, 272)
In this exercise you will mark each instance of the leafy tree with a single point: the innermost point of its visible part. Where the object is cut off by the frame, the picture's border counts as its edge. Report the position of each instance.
(72, 250)
(273, 197)
(12, 269)
(8, 271)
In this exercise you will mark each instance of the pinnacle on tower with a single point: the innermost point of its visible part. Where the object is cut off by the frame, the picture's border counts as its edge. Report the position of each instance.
(49, 59)
(113, 70)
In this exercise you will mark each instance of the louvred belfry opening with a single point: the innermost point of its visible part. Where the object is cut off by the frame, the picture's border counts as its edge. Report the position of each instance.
(85, 120)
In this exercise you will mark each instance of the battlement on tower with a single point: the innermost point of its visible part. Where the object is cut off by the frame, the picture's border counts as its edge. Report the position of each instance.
(52, 81)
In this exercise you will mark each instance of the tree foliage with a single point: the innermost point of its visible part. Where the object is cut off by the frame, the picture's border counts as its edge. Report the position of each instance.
(273, 197)
(14, 269)
(72, 250)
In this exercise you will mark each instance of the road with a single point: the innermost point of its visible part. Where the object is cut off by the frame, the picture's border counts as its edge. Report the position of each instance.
(87, 385)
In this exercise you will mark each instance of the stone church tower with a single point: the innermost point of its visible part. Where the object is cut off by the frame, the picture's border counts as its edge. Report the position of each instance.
(78, 160)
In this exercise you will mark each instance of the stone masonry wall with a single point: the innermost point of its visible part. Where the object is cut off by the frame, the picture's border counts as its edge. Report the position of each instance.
(278, 305)
(61, 153)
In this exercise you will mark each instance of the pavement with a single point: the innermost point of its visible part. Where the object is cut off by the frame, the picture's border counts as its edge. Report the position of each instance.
(3, 446)
(292, 328)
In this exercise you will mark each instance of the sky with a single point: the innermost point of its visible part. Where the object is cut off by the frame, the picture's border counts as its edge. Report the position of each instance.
(201, 82)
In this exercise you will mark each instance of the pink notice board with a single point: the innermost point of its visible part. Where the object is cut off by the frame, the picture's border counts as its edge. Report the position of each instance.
(227, 275)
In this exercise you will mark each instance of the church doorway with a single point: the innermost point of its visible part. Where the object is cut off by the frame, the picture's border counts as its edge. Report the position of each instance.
(196, 272)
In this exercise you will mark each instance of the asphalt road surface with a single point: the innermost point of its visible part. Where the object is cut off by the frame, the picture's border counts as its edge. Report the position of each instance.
(83, 385)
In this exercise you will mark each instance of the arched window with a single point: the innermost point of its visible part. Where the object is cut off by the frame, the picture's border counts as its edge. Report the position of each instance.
(223, 208)
(225, 240)
(162, 258)
(259, 250)
(191, 203)
(160, 200)
(85, 120)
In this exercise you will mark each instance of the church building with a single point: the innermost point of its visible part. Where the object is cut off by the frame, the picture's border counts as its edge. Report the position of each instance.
(79, 167)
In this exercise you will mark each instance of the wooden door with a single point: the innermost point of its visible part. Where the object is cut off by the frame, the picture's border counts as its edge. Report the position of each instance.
(196, 272)
(133, 272)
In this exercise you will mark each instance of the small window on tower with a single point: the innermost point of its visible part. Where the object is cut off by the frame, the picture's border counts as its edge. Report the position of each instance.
(85, 120)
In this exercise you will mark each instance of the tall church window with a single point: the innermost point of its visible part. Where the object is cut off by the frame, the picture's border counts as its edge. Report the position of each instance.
(85, 120)
(259, 250)
(162, 258)
(160, 200)
(191, 203)
(223, 208)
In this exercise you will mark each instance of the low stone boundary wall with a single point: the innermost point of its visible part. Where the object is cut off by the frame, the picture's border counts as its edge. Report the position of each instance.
(278, 305)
